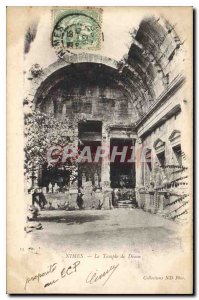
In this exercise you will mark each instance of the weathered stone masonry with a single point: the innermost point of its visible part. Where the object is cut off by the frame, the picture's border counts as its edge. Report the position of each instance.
(141, 99)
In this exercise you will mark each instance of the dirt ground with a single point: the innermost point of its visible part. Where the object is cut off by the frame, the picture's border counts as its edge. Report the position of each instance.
(115, 229)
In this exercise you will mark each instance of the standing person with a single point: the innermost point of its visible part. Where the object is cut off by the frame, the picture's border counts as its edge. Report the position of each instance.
(42, 200)
(38, 198)
(113, 197)
(35, 197)
(79, 199)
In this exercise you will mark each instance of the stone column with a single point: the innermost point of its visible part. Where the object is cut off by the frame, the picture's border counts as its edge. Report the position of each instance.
(40, 174)
(36, 175)
(75, 143)
(73, 190)
(105, 167)
(105, 174)
(138, 169)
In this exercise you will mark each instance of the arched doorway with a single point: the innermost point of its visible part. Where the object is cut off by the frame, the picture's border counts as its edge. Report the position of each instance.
(95, 100)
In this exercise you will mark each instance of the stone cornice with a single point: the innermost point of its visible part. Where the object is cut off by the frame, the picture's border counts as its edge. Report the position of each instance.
(175, 110)
(167, 93)
(123, 126)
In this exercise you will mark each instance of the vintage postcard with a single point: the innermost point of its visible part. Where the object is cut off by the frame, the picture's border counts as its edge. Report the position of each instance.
(99, 150)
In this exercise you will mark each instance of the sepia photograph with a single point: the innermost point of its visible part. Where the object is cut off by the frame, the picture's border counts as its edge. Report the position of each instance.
(100, 126)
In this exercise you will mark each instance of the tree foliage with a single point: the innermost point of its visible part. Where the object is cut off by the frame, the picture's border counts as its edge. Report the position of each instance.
(43, 131)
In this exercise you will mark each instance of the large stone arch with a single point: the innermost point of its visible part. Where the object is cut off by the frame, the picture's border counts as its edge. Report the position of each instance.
(38, 81)
(144, 71)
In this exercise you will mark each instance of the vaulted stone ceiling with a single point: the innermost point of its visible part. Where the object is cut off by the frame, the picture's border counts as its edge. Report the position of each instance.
(147, 65)
(143, 73)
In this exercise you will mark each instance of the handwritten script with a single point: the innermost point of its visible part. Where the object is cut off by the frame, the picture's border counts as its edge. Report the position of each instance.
(64, 271)
(55, 273)
(96, 276)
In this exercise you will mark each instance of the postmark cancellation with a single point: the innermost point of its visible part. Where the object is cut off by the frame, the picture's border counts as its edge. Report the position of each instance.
(76, 29)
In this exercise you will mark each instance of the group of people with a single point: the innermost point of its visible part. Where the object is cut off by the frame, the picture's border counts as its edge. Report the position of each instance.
(38, 197)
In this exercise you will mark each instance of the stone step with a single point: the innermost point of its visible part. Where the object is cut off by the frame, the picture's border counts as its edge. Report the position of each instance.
(125, 204)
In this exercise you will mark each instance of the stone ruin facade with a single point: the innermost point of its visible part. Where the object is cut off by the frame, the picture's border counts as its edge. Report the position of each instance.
(141, 102)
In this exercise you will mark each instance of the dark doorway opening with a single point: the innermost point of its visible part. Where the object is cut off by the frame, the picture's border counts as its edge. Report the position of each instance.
(89, 135)
(178, 154)
(161, 158)
(122, 173)
(58, 176)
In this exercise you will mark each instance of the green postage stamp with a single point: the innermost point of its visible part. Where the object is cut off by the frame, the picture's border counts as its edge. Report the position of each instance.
(76, 29)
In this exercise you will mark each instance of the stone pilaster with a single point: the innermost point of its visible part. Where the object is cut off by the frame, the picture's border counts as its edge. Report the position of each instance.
(138, 171)
(74, 185)
(105, 172)
(138, 162)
